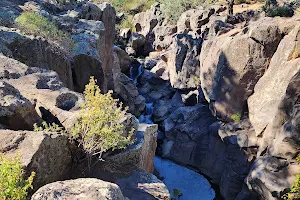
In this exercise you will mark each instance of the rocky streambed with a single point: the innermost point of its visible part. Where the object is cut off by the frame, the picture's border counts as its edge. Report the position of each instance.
(215, 93)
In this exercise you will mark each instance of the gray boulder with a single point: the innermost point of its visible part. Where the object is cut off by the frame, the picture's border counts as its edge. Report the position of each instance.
(274, 173)
(84, 188)
(143, 185)
(268, 93)
(16, 112)
(183, 62)
(232, 64)
(46, 154)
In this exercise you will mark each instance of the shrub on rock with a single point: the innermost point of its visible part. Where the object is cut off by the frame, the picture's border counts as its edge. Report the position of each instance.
(98, 128)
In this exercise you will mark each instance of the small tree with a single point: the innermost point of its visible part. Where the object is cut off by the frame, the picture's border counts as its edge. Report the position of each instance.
(13, 186)
(98, 128)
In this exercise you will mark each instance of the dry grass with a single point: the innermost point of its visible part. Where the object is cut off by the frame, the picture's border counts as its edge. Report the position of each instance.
(245, 7)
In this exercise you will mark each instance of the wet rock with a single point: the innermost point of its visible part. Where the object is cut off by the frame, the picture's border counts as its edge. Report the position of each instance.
(84, 188)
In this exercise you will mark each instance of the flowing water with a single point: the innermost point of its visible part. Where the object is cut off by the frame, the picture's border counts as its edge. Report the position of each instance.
(182, 183)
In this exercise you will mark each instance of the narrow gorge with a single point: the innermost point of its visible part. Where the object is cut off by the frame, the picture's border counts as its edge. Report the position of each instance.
(208, 102)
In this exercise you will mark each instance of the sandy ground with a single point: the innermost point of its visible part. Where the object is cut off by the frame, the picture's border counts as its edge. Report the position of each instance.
(192, 185)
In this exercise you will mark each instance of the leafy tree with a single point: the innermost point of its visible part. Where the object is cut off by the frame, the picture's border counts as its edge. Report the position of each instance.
(13, 186)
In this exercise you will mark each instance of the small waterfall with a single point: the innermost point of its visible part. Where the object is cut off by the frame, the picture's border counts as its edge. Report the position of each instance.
(135, 72)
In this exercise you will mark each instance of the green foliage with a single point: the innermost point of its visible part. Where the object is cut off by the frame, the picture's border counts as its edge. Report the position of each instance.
(49, 128)
(236, 117)
(12, 184)
(127, 23)
(135, 6)
(174, 8)
(32, 23)
(272, 9)
(240, 1)
(98, 128)
(281, 11)
(176, 193)
(294, 193)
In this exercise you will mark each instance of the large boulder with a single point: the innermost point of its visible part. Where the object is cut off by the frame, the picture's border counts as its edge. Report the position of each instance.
(42, 54)
(124, 59)
(183, 62)
(89, 42)
(46, 154)
(143, 185)
(145, 22)
(129, 94)
(45, 93)
(16, 112)
(193, 19)
(231, 65)
(84, 188)
(120, 164)
(268, 93)
(281, 143)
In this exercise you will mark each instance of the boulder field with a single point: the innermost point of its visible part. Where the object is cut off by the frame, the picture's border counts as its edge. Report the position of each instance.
(215, 93)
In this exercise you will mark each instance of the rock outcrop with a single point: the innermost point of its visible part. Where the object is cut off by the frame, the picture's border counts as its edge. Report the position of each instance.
(142, 185)
(16, 112)
(46, 154)
(120, 164)
(232, 64)
(48, 99)
(85, 189)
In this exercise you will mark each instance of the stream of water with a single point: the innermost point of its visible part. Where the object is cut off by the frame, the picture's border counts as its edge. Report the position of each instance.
(182, 183)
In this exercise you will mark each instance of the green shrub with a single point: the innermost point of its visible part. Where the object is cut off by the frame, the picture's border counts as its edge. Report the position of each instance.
(281, 11)
(136, 6)
(174, 8)
(98, 128)
(236, 117)
(127, 23)
(13, 186)
(49, 128)
(32, 23)
(294, 193)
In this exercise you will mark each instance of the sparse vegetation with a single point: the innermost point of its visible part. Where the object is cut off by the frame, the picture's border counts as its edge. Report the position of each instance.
(132, 6)
(294, 193)
(127, 23)
(13, 186)
(176, 194)
(32, 23)
(272, 9)
(174, 8)
(49, 128)
(236, 117)
(98, 129)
